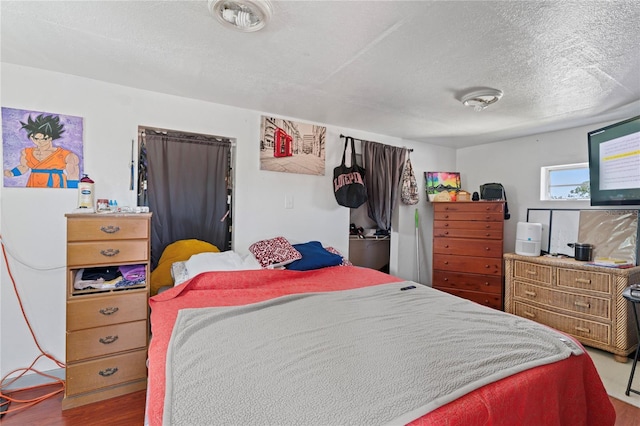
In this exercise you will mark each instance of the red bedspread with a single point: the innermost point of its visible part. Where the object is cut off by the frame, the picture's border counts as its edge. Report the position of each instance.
(569, 392)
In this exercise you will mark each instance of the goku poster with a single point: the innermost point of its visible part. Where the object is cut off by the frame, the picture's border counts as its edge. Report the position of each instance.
(41, 149)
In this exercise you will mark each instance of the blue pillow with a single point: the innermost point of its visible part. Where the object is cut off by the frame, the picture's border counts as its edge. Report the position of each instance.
(314, 256)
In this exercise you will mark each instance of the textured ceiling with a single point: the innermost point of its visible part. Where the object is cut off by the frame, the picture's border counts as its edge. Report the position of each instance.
(391, 67)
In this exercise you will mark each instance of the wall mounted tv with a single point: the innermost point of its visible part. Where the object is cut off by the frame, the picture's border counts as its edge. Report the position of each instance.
(614, 164)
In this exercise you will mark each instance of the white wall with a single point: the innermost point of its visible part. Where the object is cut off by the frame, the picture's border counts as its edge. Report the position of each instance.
(32, 220)
(516, 164)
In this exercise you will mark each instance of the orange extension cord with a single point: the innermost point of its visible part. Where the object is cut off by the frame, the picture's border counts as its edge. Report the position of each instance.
(22, 404)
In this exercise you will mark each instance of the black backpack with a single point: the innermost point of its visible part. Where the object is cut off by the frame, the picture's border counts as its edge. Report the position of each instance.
(495, 192)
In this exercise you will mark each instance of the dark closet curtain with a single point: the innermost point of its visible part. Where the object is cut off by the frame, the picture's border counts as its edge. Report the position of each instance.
(187, 190)
(383, 165)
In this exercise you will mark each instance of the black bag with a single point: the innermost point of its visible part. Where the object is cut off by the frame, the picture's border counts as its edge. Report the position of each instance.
(348, 182)
(495, 192)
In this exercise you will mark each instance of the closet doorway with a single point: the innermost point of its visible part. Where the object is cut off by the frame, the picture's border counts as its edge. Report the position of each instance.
(186, 180)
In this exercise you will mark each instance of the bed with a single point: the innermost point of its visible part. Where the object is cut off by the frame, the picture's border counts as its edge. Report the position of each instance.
(557, 388)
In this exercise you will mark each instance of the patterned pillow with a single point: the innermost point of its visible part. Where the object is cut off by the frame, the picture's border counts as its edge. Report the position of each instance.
(274, 252)
(345, 261)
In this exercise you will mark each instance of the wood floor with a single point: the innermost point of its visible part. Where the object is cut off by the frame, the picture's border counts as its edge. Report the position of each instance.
(128, 410)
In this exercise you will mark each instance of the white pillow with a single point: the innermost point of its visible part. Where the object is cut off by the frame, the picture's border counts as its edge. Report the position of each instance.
(222, 261)
(250, 262)
(179, 272)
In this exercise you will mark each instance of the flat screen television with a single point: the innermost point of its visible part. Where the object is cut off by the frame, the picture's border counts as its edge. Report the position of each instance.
(614, 164)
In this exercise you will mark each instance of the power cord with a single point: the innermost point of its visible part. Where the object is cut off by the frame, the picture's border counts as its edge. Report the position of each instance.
(7, 380)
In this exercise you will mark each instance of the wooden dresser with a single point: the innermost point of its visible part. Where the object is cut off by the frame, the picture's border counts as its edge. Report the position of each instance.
(107, 330)
(581, 300)
(468, 249)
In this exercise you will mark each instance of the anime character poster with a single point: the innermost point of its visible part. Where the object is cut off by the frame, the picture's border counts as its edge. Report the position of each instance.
(41, 149)
(292, 147)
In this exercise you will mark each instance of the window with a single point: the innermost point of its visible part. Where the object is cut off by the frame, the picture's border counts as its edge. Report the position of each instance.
(565, 182)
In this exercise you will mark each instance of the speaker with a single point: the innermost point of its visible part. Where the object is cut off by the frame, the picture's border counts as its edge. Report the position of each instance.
(528, 239)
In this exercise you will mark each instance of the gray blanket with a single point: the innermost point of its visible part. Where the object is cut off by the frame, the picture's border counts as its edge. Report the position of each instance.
(375, 355)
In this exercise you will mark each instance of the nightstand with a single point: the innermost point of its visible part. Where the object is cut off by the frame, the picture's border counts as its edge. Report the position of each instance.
(107, 329)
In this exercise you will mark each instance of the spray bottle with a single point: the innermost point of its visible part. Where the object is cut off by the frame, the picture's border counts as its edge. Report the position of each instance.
(85, 192)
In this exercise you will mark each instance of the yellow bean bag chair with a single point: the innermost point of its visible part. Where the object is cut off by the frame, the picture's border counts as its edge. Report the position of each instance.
(176, 252)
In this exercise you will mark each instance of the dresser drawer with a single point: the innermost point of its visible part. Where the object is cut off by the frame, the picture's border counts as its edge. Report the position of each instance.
(464, 281)
(579, 304)
(584, 330)
(584, 280)
(533, 272)
(104, 372)
(107, 253)
(128, 306)
(470, 216)
(94, 342)
(484, 230)
(487, 299)
(468, 247)
(470, 264)
(107, 228)
(475, 207)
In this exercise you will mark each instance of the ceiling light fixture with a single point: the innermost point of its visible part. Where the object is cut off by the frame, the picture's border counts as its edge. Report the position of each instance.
(481, 99)
(243, 15)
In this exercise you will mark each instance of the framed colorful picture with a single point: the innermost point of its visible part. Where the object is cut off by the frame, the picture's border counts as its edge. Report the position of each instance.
(442, 182)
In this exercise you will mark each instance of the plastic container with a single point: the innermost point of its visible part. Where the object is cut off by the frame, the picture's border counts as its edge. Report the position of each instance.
(583, 252)
(85, 193)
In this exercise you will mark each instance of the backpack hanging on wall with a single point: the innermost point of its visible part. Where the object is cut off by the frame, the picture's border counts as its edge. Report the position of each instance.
(409, 191)
(495, 192)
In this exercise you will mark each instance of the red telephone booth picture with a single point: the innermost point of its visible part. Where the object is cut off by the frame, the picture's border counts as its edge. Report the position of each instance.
(282, 144)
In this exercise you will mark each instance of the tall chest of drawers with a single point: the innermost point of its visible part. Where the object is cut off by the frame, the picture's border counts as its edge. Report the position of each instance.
(468, 249)
(581, 300)
(107, 329)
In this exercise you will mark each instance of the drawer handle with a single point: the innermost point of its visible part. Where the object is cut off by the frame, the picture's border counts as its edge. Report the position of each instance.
(530, 314)
(446, 279)
(107, 340)
(487, 248)
(446, 262)
(582, 304)
(487, 266)
(530, 293)
(582, 329)
(108, 372)
(446, 225)
(583, 280)
(446, 232)
(446, 246)
(109, 311)
(530, 272)
(109, 252)
(110, 229)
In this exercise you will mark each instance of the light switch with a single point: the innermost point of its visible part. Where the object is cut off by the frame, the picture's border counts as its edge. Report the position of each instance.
(288, 201)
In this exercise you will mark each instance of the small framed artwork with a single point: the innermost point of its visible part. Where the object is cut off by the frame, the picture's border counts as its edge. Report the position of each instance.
(442, 186)
(292, 147)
